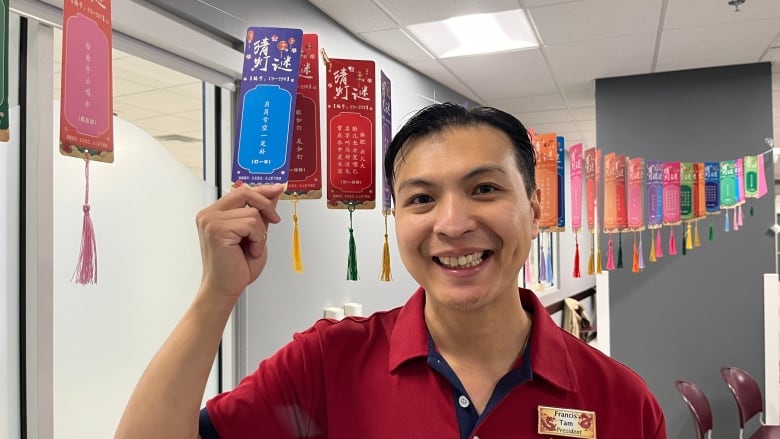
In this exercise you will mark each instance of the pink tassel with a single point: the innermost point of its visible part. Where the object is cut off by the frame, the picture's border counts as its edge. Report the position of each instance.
(86, 268)
(672, 245)
(641, 255)
(610, 257)
(740, 216)
(736, 220)
(659, 253)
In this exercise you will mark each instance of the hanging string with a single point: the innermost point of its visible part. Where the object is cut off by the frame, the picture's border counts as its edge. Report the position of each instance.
(296, 240)
(641, 254)
(385, 275)
(620, 250)
(352, 268)
(86, 267)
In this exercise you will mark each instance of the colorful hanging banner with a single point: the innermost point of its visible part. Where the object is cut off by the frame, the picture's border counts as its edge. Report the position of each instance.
(589, 163)
(305, 179)
(686, 191)
(387, 137)
(636, 181)
(751, 176)
(575, 173)
(671, 193)
(351, 100)
(740, 181)
(621, 214)
(610, 192)
(86, 106)
(655, 200)
(699, 195)
(266, 105)
(4, 121)
(546, 147)
(561, 184)
(712, 187)
(728, 184)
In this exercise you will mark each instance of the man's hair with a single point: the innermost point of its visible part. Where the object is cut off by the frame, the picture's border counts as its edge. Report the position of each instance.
(437, 118)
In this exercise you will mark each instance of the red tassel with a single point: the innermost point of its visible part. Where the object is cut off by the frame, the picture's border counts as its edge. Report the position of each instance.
(576, 257)
(659, 253)
(86, 268)
(610, 258)
(672, 245)
(635, 265)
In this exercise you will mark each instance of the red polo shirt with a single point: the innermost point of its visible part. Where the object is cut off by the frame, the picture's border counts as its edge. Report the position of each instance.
(376, 377)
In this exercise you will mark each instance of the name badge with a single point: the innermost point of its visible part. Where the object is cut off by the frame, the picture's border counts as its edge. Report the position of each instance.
(567, 422)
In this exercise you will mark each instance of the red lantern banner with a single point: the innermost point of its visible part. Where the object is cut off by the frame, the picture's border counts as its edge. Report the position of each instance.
(546, 146)
(351, 114)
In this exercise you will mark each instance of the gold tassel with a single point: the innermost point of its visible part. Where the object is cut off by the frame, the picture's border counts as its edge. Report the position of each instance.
(385, 276)
(591, 271)
(688, 237)
(696, 240)
(598, 260)
(652, 246)
(296, 240)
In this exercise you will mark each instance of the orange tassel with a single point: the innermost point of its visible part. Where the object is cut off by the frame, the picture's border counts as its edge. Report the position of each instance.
(385, 276)
(635, 265)
(296, 240)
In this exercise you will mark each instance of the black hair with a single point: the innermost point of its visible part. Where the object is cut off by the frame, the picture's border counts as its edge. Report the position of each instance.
(436, 118)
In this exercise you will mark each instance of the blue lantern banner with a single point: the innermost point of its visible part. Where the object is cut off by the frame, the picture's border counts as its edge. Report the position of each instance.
(266, 105)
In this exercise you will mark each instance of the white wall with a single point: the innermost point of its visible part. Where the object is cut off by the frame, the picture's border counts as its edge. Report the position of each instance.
(143, 207)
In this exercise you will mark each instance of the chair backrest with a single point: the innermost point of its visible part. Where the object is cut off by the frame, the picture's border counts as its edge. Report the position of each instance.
(746, 392)
(699, 405)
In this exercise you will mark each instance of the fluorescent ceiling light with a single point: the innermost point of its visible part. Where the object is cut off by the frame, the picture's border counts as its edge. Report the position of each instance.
(476, 34)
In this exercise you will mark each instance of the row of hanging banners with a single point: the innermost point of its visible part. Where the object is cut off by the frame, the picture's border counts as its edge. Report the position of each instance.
(278, 142)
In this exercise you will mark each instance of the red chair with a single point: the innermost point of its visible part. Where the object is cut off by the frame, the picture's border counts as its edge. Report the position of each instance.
(750, 401)
(699, 405)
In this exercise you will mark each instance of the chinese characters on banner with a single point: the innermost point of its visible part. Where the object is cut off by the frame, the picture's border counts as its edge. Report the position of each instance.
(86, 108)
(265, 122)
(546, 146)
(351, 112)
(305, 171)
(4, 122)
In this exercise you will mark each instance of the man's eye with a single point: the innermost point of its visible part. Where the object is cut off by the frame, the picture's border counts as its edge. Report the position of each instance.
(485, 189)
(420, 199)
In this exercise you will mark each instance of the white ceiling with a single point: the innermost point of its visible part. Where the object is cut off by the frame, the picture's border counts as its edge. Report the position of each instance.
(551, 88)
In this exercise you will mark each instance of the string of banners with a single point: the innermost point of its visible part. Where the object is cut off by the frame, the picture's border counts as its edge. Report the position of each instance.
(278, 129)
(638, 194)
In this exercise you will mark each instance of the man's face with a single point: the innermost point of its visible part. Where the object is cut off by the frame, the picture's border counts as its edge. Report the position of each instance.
(463, 220)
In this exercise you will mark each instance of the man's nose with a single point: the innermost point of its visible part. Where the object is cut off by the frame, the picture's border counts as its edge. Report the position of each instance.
(454, 216)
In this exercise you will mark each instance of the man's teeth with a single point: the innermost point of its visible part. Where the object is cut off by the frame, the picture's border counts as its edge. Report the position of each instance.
(461, 261)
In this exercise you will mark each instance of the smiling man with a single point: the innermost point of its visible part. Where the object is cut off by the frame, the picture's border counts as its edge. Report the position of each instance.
(470, 355)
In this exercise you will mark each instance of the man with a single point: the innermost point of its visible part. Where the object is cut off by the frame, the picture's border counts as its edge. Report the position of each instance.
(470, 355)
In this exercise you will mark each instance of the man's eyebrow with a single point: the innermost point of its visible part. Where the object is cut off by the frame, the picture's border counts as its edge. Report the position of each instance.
(476, 172)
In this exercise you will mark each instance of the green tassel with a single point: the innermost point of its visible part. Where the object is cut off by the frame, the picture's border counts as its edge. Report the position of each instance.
(352, 269)
(711, 234)
(751, 210)
(620, 250)
(684, 247)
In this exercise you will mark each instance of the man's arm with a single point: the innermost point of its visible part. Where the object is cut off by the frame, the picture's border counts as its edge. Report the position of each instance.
(233, 235)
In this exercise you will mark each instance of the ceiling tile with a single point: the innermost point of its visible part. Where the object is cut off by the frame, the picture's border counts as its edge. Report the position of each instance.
(503, 75)
(196, 115)
(595, 19)
(358, 16)
(772, 55)
(162, 101)
(433, 69)
(414, 11)
(694, 13)
(576, 64)
(776, 81)
(724, 44)
(132, 113)
(582, 95)
(553, 127)
(584, 114)
(397, 44)
(163, 125)
(194, 89)
(124, 87)
(144, 72)
(544, 117)
(529, 103)
(529, 4)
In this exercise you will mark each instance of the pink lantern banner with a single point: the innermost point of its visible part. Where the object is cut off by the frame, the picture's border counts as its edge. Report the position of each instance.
(621, 214)
(636, 181)
(671, 191)
(575, 171)
(655, 199)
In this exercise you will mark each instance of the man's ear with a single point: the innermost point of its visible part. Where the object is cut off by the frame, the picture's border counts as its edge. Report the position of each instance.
(536, 206)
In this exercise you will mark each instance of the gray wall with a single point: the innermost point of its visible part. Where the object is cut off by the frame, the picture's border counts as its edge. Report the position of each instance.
(686, 316)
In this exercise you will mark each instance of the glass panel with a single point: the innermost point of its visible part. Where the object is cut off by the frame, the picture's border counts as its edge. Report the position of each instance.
(143, 208)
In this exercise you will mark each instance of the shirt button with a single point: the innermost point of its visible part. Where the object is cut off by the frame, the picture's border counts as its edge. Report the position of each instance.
(464, 402)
